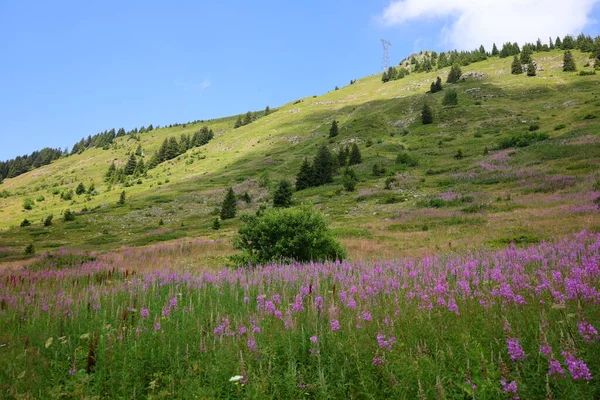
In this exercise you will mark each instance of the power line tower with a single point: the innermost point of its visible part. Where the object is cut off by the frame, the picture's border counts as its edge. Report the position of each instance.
(385, 61)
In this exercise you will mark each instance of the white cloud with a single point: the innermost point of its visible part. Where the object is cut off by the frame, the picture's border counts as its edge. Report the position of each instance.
(476, 22)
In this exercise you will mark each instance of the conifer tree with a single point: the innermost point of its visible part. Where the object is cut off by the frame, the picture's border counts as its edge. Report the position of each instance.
(333, 131)
(342, 157)
(283, 195)
(515, 67)
(323, 166)
(426, 114)
(551, 44)
(267, 110)
(172, 149)
(481, 49)
(228, 208)
(384, 77)
(304, 179)
(112, 169)
(568, 62)
(454, 74)
(122, 198)
(80, 189)
(526, 55)
(238, 122)
(138, 151)
(495, 51)
(438, 84)
(247, 118)
(216, 224)
(531, 69)
(355, 156)
(130, 166)
(558, 43)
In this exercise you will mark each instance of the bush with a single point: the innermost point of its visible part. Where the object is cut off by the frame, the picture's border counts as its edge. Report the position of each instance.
(29, 250)
(349, 179)
(28, 204)
(522, 140)
(407, 159)
(25, 223)
(559, 127)
(67, 195)
(298, 234)
(40, 198)
(216, 224)
(48, 220)
(69, 216)
(587, 73)
(450, 98)
(533, 127)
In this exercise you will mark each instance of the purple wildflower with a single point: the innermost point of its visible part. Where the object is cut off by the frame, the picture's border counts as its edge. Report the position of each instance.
(546, 349)
(378, 362)
(514, 349)
(577, 367)
(587, 332)
(251, 344)
(335, 325)
(314, 339)
(510, 387)
(366, 316)
(554, 368)
(145, 312)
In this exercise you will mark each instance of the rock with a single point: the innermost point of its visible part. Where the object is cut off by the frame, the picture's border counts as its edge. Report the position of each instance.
(472, 75)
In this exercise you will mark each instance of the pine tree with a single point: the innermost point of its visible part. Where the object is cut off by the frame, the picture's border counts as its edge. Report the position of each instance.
(172, 149)
(305, 176)
(481, 49)
(138, 151)
(531, 69)
(495, 51)
(112, 169)
(267, 110)
(122, 198)
(228, 208)
(384, 77)
(130, 166)
(333, 131)
(426, 114)
(558, 43)
(568, 62)
(323, 166)
(355, 157)
(454, 74)
(551, 44)
(216, 224)
(516, 68)
(80, 189)
(247, 118)
(283, 195)
(238, 122)
(342, 157)
(438, 84)
(526, 55)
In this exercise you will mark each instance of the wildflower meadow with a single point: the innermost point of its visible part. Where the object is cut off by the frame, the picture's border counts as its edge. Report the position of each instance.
(491, 324)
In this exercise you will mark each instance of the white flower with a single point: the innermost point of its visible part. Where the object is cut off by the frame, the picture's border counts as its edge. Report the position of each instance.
(236, 379)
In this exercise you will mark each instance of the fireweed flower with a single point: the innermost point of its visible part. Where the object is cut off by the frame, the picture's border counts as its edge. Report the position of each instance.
(587, 332)
(335, 325)
(385, 342)
(546, 349)
(554, 368)
(510, 388)
(514, 349)
(145, 312)
(577, 367)
(251, 344)
(314, 339)
(378, 362)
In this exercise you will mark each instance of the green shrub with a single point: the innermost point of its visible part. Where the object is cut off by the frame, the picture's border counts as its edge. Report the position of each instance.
(534, 127)
(28, 204)
(216, 224)
(69, 215)
(349, 179)
(298, 234)
(407, 159)
(559, 127)
(587, 73)
(450, 98)
(48, 220)
(522, 140)
(25, 223)
(40, 198)
(29, 250)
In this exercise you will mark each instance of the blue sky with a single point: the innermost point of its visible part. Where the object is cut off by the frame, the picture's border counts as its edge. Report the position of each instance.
(74, 68)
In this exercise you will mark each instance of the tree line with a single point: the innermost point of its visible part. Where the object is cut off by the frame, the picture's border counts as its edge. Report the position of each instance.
(21, 164)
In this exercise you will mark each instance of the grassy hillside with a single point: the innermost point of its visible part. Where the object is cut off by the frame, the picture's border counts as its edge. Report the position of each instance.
(523, 194)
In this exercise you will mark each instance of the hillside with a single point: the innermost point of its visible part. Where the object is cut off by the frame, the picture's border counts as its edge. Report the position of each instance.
(523, 194)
